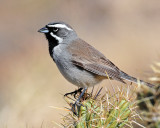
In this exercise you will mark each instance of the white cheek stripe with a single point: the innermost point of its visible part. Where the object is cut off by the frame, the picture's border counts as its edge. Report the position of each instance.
(60, 26)
(56, 37)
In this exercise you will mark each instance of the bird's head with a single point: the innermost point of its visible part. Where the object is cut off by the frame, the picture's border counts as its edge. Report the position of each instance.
(58, 32)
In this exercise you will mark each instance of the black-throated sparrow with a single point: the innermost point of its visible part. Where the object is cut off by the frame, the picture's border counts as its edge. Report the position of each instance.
(80, 63)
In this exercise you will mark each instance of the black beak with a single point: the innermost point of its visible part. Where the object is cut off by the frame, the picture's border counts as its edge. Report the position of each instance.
(43, 30)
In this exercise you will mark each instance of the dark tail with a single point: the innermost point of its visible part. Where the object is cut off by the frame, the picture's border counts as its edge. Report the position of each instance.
(133, 79)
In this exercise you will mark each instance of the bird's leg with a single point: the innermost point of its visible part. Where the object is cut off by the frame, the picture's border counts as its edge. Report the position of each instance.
(74, 92)
(77, 104)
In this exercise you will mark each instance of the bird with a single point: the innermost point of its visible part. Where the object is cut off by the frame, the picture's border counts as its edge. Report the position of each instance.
(79, 62)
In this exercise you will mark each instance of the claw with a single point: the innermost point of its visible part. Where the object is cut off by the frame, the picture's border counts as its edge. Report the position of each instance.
(74, 92)
(77, 103)
(74, 110)
(75, 107)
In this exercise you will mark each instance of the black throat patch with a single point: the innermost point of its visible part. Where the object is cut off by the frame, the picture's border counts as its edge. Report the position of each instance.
(52, 42)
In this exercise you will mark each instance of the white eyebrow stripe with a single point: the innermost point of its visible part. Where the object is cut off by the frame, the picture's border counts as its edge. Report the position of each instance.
(56, 37)
(60, 26)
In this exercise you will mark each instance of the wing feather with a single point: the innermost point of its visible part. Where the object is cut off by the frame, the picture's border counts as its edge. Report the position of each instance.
(90, 59)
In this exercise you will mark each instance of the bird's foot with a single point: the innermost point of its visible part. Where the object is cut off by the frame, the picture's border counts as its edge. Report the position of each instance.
(74, 93)
(75, 107)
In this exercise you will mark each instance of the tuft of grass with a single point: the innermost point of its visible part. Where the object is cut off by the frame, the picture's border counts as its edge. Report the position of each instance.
(105, 110)
(149, 100)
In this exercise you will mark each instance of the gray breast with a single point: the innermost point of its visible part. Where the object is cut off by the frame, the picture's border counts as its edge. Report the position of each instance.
(72, 73)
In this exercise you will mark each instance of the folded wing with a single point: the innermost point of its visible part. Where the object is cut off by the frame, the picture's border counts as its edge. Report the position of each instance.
(90, 59)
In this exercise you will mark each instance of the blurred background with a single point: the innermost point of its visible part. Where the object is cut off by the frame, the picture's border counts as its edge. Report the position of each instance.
(127, 32)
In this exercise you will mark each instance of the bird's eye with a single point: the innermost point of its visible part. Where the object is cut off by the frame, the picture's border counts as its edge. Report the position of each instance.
(55, 29)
